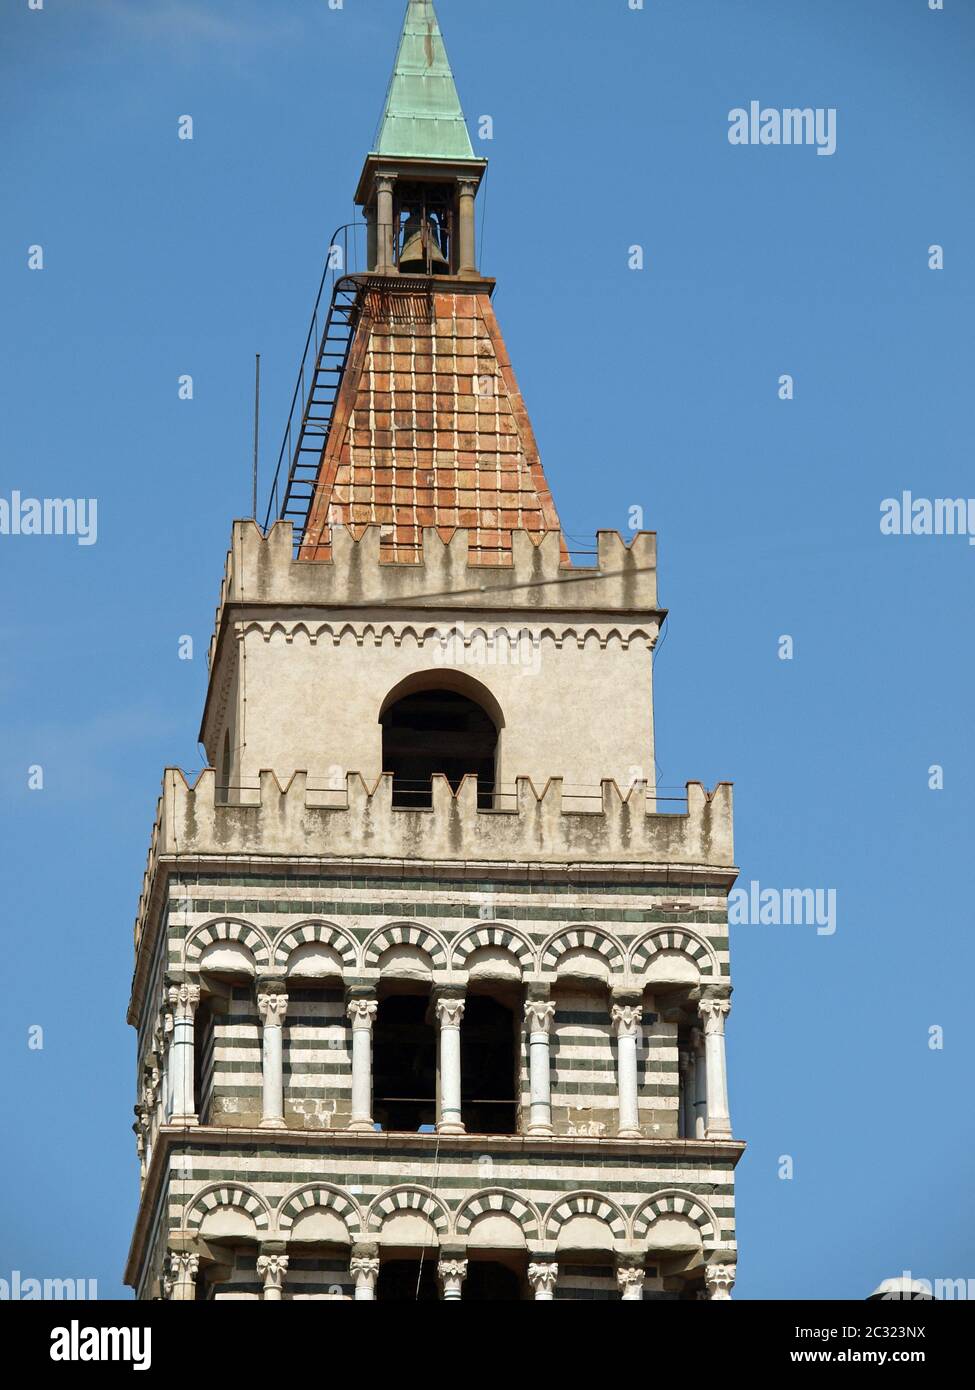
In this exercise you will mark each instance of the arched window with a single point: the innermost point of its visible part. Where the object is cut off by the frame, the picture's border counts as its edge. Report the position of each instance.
(438, 730)
(404, 1062)
(489, 1039)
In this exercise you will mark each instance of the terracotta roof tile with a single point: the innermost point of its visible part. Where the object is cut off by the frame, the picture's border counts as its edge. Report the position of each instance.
(430, 429)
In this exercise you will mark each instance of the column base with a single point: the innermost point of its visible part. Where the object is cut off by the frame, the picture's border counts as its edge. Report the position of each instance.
(272, 1124)
(721, 1130)
(187, 1121)
(362, 1126)
(629, 1134)
(533, 1130)
(451, 1127)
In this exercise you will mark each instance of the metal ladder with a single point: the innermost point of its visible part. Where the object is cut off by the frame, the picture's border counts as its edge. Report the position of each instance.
(320, 375)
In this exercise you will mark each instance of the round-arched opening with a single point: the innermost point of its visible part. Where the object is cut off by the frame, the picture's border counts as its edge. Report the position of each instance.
(404, 1059)
(438, 730)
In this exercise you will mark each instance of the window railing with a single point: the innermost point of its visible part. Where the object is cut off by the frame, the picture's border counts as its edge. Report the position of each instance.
(328, 794)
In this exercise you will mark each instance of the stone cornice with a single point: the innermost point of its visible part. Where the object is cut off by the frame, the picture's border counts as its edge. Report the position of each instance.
(562, 1147)
(377, 164)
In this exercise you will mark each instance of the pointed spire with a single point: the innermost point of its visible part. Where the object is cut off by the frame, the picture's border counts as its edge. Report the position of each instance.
(423, 118)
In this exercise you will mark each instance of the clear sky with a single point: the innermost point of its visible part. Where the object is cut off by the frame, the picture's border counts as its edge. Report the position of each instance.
(656, 388)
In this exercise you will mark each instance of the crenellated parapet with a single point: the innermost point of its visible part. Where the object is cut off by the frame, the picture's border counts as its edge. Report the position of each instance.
(291, 821)
(262, 572)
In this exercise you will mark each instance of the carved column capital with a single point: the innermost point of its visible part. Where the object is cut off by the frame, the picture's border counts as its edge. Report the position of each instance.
(183, 999)
(543, 1276)
(630, 1276)
(452, 1275)
(449, 1012)
(362, 1012)
(720, 1280)
(272, 1005)
(365, 1272)
(626, 1020)
(714, 1012)
(272, 1269)
(539, 1015)
(183, 1269)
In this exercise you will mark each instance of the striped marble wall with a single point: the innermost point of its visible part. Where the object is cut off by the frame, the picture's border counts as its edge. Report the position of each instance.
(317, 1058)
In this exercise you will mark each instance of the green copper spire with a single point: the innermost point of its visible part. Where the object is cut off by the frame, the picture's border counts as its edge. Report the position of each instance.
(423, 117)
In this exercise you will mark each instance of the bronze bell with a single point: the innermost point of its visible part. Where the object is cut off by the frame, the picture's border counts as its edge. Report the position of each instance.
(421, 253)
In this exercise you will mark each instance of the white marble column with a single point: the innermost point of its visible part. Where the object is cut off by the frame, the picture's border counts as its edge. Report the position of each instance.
(452, 1275)
(183, 1269)
(272, 1007)
(183, 1000)
(272, 1269)
(626, 1024)
(449, 1014)
(630, 1277)
(362, 1013)
(539, 1014)
(720, 1280)
(543, 1277)
(365, 1272)
(715, 1011)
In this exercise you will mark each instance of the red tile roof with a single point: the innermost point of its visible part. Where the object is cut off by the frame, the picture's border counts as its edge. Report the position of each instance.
(429, 429)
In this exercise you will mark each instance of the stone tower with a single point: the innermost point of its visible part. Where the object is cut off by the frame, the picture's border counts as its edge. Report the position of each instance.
(430, 987)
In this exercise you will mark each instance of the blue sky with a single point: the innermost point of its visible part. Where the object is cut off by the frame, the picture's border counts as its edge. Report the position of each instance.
(656, 389)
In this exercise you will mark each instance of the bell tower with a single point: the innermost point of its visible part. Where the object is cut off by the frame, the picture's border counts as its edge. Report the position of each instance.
(431, 978)
(418, 186)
